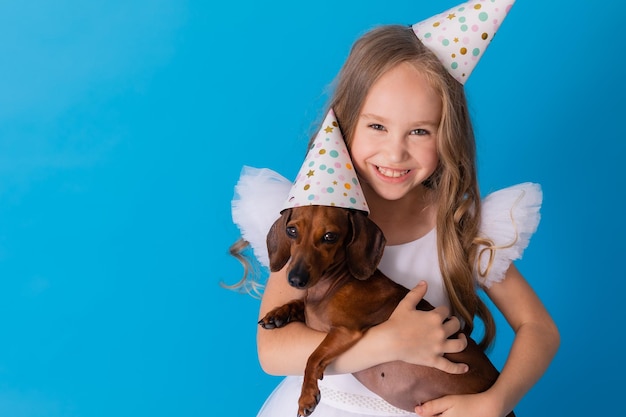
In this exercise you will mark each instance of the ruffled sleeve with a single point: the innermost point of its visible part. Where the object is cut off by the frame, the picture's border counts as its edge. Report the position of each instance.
(259, 197)
(509, 218)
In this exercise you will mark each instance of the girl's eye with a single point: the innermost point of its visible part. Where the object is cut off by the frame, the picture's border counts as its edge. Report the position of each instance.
(420, 132)
(376, 126)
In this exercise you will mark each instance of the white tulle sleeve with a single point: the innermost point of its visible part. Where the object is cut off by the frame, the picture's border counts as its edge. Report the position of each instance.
(509, 218)
(259, 197)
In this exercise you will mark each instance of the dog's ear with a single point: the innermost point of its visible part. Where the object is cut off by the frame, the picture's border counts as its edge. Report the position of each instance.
(366, 247)
(278, 243)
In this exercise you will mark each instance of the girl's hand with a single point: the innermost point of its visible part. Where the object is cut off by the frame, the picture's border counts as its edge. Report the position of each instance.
(478, 405)
(421, 337)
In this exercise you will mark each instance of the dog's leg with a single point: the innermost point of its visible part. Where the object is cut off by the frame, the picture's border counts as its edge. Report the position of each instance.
(283, 315)
(337, 341)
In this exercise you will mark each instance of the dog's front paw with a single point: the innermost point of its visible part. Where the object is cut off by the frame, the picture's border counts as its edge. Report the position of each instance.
(283, 315)
(308, 402)
(272, 322)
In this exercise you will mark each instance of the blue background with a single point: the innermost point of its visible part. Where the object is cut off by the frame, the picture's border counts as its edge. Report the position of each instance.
(123, 129)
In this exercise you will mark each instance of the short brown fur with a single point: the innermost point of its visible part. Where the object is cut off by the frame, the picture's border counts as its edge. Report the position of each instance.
(334, 255)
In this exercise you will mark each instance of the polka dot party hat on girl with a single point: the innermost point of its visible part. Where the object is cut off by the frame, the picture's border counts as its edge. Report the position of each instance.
(327, 176)
(460, 35)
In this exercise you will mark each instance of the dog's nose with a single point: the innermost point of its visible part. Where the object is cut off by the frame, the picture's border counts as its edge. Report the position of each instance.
(297, 281)
(298, 278)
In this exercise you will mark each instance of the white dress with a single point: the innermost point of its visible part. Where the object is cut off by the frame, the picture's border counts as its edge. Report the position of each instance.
(509, 218)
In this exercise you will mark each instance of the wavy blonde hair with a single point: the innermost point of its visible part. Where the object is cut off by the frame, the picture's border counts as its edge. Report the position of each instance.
(454, 182)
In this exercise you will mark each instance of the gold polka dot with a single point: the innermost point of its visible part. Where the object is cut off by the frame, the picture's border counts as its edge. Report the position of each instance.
(436, 24)
(347, 186)
(453, 55)
(484, 36)
(322, 151)
(477, 6)
(306, 187)
(463, 51)
(349, 165)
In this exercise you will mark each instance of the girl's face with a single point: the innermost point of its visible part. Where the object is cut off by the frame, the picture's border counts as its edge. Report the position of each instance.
(394, 147)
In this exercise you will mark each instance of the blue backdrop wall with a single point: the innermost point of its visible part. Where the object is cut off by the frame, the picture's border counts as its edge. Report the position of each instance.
(123, 129)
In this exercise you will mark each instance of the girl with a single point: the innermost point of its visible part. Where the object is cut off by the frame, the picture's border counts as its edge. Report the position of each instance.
(405, 122)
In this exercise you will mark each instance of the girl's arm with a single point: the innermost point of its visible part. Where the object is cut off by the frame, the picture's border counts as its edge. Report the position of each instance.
(536, 338)
(535, 344)
(411, 335)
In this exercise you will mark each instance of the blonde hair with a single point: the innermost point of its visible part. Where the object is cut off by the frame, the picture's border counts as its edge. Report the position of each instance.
(454, 182)
(249, 282)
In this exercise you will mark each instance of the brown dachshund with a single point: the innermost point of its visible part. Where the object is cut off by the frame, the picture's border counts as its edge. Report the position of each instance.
(334, 256)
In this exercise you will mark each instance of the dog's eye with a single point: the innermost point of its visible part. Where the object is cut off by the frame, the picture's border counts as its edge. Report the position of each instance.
(292, 232)
(330, 237)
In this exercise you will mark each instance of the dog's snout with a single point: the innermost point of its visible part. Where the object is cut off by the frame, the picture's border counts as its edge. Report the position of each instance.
(298, 278)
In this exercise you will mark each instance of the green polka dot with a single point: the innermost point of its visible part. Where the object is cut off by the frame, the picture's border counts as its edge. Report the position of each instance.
(464, 28)
(427, 35)
(311, 163)
(462, 19)
(331, 170)
(454, 65)
(330, 190)
(355, 181)
(353, 200)
(323, 167)
(334, 153)
(311, 197)
(445, 42)
(483, 16)
(476, 51)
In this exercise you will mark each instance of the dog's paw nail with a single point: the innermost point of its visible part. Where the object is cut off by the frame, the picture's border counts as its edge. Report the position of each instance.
(306, 412)
(266, 324)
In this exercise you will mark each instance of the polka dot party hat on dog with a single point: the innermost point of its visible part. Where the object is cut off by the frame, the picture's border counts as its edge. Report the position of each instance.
(460, 35)
(327, 176)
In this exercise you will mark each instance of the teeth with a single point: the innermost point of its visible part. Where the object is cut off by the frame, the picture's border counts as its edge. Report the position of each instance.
(392, 173)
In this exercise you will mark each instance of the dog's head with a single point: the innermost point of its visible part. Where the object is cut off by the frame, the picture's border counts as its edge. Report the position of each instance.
(319, 239)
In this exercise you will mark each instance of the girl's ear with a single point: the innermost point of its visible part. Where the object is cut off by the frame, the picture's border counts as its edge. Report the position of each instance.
(365, 250)
(278, 244)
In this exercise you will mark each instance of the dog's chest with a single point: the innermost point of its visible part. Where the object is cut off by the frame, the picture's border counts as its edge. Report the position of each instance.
(320, 301)
(347, 303)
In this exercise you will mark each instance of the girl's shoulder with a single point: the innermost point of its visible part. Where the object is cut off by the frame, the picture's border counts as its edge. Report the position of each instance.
(509, 218)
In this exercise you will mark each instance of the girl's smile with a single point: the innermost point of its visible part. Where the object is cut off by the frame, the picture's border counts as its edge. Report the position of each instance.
(390, 175)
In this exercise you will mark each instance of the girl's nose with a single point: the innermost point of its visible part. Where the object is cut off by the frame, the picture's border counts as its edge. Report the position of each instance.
(397, 149)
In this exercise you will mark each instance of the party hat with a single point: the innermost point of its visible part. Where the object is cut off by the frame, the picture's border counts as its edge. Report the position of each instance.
(460, 35)
(327, 176)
